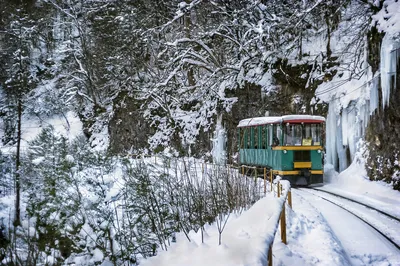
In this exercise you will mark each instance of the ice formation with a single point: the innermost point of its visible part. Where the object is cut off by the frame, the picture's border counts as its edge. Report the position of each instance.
(390, 55)
(348, 118)
(219, 143)
(343, 130)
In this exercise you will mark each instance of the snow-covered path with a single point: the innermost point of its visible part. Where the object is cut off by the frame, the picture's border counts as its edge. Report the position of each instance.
(362, 244)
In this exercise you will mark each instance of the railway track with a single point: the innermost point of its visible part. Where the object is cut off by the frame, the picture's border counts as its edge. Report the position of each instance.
(385, 224)
(358, 202)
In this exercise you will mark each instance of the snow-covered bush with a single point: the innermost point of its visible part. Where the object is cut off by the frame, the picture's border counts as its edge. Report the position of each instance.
(85, 208)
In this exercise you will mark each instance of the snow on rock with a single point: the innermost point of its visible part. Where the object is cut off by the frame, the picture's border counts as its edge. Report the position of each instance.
(97, 255)
(387, 18)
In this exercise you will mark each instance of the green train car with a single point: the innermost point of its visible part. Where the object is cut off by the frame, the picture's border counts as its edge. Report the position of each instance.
(290, 146)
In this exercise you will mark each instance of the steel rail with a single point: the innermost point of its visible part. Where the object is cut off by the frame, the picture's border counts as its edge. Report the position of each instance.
(376, 229)
(355, 201)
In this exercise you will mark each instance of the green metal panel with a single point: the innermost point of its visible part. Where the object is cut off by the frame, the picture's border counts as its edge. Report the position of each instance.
(316, 160)
(287, 160)
(276, 159)
(262, 157)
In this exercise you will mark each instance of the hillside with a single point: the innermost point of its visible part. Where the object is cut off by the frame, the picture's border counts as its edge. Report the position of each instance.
(91, 92)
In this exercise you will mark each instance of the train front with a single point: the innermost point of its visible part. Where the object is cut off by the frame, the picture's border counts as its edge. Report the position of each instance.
(301, 150)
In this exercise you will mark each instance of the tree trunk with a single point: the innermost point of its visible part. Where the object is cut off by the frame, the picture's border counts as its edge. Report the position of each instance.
(17, 220)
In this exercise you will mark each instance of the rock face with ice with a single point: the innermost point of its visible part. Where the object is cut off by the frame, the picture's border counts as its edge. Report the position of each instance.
(366, 108)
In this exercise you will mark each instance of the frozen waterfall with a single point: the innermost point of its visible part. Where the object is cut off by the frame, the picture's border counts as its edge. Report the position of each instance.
(219, 143)
(348, 118)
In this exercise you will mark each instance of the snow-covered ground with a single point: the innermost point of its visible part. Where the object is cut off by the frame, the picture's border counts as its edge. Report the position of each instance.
(245, 240)
(318, 232)
(353, 183)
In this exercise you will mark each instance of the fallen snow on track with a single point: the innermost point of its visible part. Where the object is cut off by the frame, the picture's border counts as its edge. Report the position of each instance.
(353, 183)
(388, 226)
(362, 244)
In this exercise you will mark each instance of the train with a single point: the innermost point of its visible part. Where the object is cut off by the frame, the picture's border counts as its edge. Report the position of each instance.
(291, 146)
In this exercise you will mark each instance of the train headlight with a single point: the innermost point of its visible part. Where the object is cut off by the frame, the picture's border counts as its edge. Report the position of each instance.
(319, 151)
(285, 151)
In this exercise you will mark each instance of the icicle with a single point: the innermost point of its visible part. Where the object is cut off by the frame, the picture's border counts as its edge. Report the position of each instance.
(344, 127)
(341, 150)
(374, 97)
(353, 128)
(331, 127)
(389, 57)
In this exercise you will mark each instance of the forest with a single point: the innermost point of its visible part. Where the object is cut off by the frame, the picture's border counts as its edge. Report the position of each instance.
(157, 78)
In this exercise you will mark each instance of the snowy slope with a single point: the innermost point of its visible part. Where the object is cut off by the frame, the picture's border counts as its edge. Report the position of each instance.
(68, 126)
(245, 240)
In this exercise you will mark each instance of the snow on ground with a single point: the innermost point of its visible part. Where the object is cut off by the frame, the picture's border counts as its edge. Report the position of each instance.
(317, 233)
(310, 240)
(245, 240)
(354, 183)
(361, 244)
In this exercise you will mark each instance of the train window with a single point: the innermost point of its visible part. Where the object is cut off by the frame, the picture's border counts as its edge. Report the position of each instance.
(311, 135)
(278, 134)
(251, 138)
(263, 140)
(293, 134)
(271, 135)
(316, 134)
(274, 134)
(307, 139)
(256, 137)
(246, 138)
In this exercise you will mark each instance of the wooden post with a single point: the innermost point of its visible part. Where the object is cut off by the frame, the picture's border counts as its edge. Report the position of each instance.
(265, 180)
(270, 178)
(290, 198)
(283, 225)
(279, 189)
(270, 255)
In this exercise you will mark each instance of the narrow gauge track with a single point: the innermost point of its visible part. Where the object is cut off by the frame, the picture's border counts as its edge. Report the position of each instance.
(308, 190)
(360, 203)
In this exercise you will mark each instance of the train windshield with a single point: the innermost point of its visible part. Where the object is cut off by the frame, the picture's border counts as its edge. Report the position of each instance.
(302, 135)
